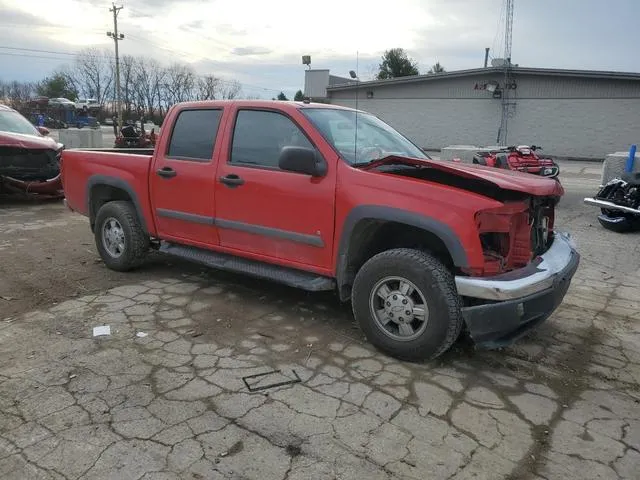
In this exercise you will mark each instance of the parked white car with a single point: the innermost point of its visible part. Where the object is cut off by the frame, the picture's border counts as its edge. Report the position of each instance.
(61, 102)
(87, 104)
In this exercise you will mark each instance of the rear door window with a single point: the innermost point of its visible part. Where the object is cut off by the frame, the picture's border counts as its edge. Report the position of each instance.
(194, 135)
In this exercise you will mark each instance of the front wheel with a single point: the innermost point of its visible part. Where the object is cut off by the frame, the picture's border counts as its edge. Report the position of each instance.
(120, 239)
(407, 305)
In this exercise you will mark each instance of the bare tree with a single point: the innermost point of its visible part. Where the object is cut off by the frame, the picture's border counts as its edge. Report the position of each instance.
(208, 87)
(148, 80)
(179, 84)
(145, 84)
(230, 89)
(17, 94)
(93, 74)
(127, 75)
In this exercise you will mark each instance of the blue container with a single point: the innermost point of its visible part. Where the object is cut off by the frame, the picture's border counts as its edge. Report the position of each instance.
(632, 156)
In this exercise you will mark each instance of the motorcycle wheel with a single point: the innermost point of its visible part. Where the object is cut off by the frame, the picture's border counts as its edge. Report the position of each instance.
(617, 222)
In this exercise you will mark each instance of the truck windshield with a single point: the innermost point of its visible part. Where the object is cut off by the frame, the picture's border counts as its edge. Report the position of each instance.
(15, 123)
(374, 139)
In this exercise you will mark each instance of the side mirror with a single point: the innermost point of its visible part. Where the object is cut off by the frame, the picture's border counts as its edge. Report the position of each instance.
(43, 131)
(302, 160)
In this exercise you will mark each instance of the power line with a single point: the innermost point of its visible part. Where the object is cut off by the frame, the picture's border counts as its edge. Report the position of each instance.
(31, 26)
(106, 61)
(36, 50)
(22, 55)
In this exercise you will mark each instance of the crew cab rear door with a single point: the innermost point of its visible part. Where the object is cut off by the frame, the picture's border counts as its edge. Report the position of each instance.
(182, 178)
(268, 212)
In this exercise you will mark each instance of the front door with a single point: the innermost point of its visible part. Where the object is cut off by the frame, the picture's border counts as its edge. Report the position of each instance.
(182, 178)
(265, 211)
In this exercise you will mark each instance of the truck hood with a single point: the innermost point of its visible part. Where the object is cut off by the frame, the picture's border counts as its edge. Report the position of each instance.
(31, 142)
(504, 179)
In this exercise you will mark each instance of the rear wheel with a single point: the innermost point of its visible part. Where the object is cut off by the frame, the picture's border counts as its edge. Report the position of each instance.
(618, 222)
(119, 237)
(407, 305)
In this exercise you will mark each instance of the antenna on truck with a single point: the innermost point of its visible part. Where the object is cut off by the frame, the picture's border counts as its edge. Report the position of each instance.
(354, 75)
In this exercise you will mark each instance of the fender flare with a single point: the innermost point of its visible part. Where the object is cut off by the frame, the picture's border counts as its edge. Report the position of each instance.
(115, 182)
(378, 212)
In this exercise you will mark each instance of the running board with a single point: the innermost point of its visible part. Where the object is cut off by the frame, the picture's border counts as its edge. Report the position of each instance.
(610, 206)
(287, 276)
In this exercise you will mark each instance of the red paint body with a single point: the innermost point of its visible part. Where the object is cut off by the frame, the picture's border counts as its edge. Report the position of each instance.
(310, 206)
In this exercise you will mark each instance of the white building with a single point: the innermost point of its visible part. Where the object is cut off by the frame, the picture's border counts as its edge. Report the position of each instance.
(571, 113)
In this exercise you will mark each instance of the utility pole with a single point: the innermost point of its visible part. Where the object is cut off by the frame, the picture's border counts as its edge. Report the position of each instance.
(507, 103)
(116, 38)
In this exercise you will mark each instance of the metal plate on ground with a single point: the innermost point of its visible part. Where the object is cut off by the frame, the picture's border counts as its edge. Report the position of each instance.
(271, 379)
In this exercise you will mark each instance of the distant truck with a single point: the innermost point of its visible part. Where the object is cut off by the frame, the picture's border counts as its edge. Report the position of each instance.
(321, 197)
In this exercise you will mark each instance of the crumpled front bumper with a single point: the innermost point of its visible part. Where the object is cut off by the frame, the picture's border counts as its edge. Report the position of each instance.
(516, 302)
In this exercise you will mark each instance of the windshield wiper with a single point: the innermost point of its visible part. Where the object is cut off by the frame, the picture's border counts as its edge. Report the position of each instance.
(369, 162)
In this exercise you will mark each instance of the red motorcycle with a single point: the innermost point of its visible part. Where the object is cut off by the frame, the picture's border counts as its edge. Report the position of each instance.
(522, 158)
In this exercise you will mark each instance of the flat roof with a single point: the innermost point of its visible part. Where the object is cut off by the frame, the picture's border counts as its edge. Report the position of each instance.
(554, 72)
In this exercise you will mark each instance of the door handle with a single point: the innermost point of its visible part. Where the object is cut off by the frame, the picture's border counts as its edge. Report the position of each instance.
(166, 172)
(232, 180)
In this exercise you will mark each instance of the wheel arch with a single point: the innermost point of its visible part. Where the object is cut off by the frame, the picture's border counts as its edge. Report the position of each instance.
(370, 229)
(102, 189)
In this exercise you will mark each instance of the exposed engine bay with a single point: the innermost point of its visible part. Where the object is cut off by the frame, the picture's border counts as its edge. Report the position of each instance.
(515, 233)
(511, 235)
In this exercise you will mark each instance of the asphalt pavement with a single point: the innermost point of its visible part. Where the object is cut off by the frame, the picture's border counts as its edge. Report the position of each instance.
(169, 394)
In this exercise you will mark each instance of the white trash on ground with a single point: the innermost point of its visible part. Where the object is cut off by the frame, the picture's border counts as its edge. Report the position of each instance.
(101, 330)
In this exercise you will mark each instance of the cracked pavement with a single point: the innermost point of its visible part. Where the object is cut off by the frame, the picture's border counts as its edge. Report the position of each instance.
(562, 403)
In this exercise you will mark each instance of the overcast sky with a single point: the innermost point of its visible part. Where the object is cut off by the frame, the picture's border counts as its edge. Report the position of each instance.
(260, 43)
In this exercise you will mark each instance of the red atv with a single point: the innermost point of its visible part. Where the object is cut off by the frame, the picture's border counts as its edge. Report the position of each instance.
(131, 136)
(522, 158)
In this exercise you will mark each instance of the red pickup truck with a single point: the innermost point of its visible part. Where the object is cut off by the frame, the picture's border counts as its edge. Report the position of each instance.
(322, 197)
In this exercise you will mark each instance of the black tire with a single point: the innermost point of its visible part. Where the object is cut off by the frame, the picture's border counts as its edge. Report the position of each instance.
(136, 242)
(618, 222)
(436, 284)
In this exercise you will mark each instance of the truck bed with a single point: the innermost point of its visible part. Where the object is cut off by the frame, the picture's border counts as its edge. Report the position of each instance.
(125, 169)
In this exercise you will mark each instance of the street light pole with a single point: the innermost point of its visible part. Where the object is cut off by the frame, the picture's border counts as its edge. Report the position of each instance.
(116, 38)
